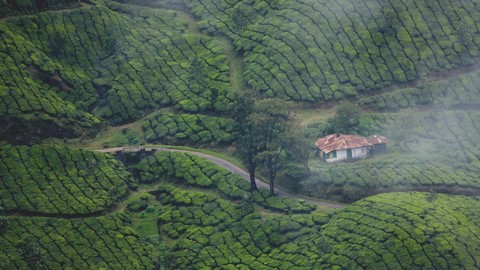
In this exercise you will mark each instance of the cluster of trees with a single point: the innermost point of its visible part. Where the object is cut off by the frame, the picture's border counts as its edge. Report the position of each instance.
(90, 243)
(266, 133)
(403, 231)
(52, 179)
(310, 50)
(164, 127)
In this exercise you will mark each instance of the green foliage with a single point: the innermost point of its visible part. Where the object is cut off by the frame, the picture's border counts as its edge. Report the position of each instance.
(199, 172)
(211, 232)
(52, 179)
(17, 7)
(195, 128)
(346, 119)
(91, 243)
(102, 58)
(313, 50)
(404, 231)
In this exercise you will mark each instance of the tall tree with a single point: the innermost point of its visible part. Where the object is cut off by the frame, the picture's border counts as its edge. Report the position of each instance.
(274, 124)
(247, 140)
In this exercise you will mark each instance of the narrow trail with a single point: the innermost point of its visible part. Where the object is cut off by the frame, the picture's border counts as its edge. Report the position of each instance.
(236, 170)
(235, 62)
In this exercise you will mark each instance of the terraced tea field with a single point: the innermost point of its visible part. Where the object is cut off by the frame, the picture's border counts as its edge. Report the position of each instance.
(169, 72)
(323, 50)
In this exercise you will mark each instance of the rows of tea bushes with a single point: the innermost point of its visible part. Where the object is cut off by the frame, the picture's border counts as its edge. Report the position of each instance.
(115, 60)
(460, 91)
(404, 231)
(322, 50)
(92, 243)
(199, 172)
(211, 232)
(52, 179)
(438, 148)
(162, 127)
(24, 98)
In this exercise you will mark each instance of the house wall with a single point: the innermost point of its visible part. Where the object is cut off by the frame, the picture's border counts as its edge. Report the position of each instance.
(341, 155)
(361, 152)
(380, 148)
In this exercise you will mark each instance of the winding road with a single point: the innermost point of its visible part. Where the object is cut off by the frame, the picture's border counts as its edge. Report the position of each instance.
(232, 168)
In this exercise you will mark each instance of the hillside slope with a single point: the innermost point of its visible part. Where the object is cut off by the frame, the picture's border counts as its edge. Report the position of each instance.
(323, 50)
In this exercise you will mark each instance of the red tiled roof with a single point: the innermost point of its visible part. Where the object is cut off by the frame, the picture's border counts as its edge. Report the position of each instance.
(377, 139)
(341, 141)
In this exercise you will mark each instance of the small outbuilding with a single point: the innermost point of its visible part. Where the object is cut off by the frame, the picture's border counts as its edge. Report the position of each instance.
(337, 147)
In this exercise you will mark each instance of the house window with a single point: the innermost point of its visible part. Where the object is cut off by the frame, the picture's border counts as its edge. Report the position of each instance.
(334, 153)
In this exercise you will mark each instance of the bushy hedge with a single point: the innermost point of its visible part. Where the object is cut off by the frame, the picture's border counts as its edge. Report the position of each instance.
(165, 127)
(52, 179)
(404, 231)
(321, 50)
(91, 243)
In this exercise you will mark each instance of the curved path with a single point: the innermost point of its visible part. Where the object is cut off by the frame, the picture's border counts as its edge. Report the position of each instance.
(232, 168)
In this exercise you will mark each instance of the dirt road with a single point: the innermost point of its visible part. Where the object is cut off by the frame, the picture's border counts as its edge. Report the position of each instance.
(237, 170)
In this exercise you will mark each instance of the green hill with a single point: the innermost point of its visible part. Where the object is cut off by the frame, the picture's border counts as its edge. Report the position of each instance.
(404, 231)
(113, 61)
(51, 179)
(167, 72)
(324, 50)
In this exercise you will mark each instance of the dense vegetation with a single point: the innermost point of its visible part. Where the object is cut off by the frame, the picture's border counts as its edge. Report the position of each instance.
(167, 127)
(200, 172)
(51, 179)
(16, 7)
(57, 243)
(404, 231)
(461, 92)
(114, 61)
(322, 50)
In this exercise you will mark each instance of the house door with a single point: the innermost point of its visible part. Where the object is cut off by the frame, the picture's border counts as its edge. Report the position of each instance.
(349, 153)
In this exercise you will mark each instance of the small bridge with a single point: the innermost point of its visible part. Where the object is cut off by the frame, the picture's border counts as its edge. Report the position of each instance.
(130, 154)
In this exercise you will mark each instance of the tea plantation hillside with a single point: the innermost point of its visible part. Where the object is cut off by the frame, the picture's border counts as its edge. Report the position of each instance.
(78, 75)
(323, 50)
(52, 179)
(114, 61)
(189, 213)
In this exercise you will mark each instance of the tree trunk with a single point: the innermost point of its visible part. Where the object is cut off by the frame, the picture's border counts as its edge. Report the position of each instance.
(251, 171)
(271, 177)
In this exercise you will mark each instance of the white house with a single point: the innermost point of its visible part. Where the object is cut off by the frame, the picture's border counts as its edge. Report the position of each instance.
(338, 147)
